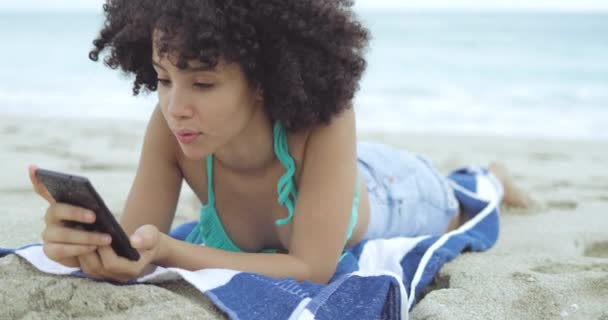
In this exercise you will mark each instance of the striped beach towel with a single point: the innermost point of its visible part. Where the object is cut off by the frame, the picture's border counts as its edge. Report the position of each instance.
(377, 279)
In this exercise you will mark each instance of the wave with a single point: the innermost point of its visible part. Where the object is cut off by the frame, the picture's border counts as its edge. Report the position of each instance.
(452, 111)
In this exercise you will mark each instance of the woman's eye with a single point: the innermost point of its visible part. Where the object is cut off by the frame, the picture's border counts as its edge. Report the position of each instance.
(199, 85)
(164, 82)
(203, 85)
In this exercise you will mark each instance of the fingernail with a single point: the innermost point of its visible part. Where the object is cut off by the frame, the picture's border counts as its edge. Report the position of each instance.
(106, 238)
(89, 216)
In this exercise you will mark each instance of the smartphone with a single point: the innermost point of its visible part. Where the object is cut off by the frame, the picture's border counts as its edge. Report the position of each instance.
(78, 191)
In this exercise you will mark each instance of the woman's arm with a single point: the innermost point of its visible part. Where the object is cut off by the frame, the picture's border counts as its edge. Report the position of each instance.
(180, 254)
(155, 190)
(322, 215)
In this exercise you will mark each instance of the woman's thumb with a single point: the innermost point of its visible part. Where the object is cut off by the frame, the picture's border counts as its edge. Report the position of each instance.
(145, 237)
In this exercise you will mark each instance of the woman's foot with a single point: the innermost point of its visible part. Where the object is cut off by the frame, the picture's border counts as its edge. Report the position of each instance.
(513, 197)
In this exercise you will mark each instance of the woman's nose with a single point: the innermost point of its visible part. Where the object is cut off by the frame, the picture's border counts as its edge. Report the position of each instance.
(179, 106)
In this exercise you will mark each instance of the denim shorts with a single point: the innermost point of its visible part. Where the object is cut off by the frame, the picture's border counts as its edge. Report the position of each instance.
(408, 196)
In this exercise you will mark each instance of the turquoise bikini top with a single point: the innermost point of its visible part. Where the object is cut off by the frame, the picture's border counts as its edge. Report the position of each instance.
(210, 230)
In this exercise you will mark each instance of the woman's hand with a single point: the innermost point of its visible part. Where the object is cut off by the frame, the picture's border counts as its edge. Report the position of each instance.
(61, 243)
(105, 264)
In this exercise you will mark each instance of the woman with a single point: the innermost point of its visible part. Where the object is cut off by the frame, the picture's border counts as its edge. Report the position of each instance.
(254, 113)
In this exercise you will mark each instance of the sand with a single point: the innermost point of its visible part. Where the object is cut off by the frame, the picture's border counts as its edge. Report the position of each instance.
(550, 262)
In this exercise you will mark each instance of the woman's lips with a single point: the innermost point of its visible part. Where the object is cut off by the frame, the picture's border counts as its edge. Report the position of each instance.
(187, 136)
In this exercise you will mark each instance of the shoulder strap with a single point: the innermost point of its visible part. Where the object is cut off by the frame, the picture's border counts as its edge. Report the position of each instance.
(286, 187)
(210, 193)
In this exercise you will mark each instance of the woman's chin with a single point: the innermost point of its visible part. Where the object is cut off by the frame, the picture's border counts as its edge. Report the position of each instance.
(193, 153)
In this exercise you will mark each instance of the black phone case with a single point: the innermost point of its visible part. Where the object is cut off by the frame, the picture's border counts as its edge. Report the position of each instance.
(78, 191)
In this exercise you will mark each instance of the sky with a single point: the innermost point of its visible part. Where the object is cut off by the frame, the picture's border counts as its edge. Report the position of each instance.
(95, 5)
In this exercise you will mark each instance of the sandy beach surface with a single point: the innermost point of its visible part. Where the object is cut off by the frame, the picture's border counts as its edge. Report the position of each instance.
(550, 262)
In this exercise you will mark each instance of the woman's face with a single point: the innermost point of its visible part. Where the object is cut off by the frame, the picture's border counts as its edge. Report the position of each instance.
(204, 108)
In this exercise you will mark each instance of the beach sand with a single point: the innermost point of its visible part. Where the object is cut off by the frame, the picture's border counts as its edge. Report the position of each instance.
(550, 262)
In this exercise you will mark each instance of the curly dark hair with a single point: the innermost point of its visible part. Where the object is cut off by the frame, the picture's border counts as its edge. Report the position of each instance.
(306, 55)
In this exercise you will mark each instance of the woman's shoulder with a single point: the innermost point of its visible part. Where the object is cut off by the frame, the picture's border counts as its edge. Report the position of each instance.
(296, 143)
(325, 143)
(341, 126)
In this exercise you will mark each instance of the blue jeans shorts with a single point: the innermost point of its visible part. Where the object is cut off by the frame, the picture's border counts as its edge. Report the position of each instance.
(408, 196)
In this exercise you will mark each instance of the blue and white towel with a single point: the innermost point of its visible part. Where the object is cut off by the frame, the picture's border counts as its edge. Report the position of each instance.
(377, 279)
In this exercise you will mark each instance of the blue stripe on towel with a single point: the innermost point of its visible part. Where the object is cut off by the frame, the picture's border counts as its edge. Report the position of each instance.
(357, 297)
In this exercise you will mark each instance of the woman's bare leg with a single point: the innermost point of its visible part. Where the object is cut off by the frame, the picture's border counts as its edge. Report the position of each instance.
(456, 221)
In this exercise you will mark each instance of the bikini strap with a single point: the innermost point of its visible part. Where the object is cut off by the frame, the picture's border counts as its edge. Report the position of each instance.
(210, 193)
(286, 187)
(197, 235)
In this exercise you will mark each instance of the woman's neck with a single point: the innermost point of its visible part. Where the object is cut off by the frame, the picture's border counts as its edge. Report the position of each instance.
(252, 150)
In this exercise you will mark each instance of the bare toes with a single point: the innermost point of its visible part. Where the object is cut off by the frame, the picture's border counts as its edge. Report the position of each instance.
(513, 197)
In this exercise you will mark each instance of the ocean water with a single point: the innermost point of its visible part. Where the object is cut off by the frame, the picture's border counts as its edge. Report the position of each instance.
(530, 74)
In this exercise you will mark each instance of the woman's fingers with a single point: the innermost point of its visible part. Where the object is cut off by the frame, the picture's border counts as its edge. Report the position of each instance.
(66, 254)
(103, 264)
(58, 212)
(90, 264)
(38, 186)
(66, 235)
